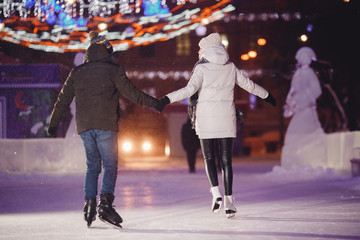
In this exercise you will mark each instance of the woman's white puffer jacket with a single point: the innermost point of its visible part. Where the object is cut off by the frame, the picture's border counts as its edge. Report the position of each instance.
(215, 81)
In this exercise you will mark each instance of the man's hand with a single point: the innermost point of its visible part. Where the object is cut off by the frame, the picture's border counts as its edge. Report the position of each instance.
(52, 131)
(271, 100)
(162, 103)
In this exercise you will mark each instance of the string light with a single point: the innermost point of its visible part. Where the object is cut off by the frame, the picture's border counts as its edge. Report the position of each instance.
(140, 30)
(100, 8)
(62, 25)
(102, 26)
(176, 75)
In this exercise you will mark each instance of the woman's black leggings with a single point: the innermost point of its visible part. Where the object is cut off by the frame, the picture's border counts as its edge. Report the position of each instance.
(225, 146)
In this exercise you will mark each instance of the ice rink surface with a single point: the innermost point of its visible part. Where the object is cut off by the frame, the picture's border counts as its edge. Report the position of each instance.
(159, 199)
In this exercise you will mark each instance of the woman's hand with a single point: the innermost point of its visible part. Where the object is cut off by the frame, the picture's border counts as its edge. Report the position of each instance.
(162, 103)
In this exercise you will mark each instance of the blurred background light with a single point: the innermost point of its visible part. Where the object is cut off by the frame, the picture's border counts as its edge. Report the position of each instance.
(127, 146)
(261, 41)
(102, 26)
(245, 57)
(303, 38)
(146, 146)
(309, 27)
(252, 54)
(129, 23)
(200, 30)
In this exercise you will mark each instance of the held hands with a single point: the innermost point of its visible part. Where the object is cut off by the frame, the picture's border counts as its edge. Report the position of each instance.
(271, 100)
(162, 103)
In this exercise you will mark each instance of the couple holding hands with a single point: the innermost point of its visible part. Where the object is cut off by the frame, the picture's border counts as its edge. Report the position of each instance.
(97, 84)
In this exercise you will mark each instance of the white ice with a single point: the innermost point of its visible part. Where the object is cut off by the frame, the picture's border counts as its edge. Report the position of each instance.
(159, 199)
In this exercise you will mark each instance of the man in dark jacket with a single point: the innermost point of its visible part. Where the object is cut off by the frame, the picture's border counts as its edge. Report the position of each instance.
(96, 86)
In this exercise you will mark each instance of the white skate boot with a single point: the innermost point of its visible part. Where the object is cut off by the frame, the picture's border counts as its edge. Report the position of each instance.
(217, 199)
(230, 209)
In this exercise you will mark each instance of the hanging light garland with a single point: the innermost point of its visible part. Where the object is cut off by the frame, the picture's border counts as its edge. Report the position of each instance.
(62, 25)
(178, 75)
(43, 9)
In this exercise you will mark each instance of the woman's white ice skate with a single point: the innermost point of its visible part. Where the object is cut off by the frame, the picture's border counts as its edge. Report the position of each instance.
(230, 209)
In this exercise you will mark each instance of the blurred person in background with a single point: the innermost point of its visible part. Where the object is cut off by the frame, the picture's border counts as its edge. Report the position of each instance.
(190, 143)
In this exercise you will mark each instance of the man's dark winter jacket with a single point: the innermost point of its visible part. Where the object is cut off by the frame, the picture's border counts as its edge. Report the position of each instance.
(96, 86)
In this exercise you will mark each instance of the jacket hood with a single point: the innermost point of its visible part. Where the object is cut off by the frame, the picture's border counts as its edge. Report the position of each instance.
(215, 54)
(96, 52)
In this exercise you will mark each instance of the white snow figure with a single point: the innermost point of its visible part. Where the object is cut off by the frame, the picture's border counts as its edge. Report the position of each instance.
(305, 144)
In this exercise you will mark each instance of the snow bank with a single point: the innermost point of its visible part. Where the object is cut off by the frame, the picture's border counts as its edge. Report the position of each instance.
(42, 156)
(306, 173)
(329, 151)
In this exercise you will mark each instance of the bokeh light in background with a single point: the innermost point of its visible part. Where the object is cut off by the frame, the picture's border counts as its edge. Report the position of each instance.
(62, 25)
(252, 54)
(303, 37)
(245, 57)
(51, 25)
(261, 41)
(102, 26)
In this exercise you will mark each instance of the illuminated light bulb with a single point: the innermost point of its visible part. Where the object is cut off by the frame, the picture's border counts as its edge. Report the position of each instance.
(102, 26)
(252, 54)
(70, 2)
(261, 41)
(304, 37)
(245, 57)
(167, 150)
(205, 21)
(146, 146)
(127, 146)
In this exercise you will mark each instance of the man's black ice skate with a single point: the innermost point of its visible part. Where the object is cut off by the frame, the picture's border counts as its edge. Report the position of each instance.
(90, 211)
(106, 211)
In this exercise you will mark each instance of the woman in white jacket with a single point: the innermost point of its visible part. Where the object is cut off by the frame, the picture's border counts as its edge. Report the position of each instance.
(214, 78)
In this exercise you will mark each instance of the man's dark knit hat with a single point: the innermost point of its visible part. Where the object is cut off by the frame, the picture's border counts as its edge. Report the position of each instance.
(95, 38)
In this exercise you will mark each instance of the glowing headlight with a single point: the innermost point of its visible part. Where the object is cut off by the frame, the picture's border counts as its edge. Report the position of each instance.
(146, 146)
(127, 146)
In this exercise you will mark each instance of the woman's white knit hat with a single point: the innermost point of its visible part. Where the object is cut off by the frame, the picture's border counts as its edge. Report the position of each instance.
(211, 40)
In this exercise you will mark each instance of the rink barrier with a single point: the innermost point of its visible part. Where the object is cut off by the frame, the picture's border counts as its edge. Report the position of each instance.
(355, 162)
(42, 156)
(355, 167)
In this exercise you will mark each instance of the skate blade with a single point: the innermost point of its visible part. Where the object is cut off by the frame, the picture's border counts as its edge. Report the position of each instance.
(217, 206)
(230, 213)
(117, 226)
(90, 222)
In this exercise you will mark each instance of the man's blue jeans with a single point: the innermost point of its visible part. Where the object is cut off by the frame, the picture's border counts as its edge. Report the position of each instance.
(101, 149)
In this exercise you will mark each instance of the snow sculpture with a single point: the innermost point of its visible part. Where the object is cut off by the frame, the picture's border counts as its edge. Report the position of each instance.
(305, 143)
